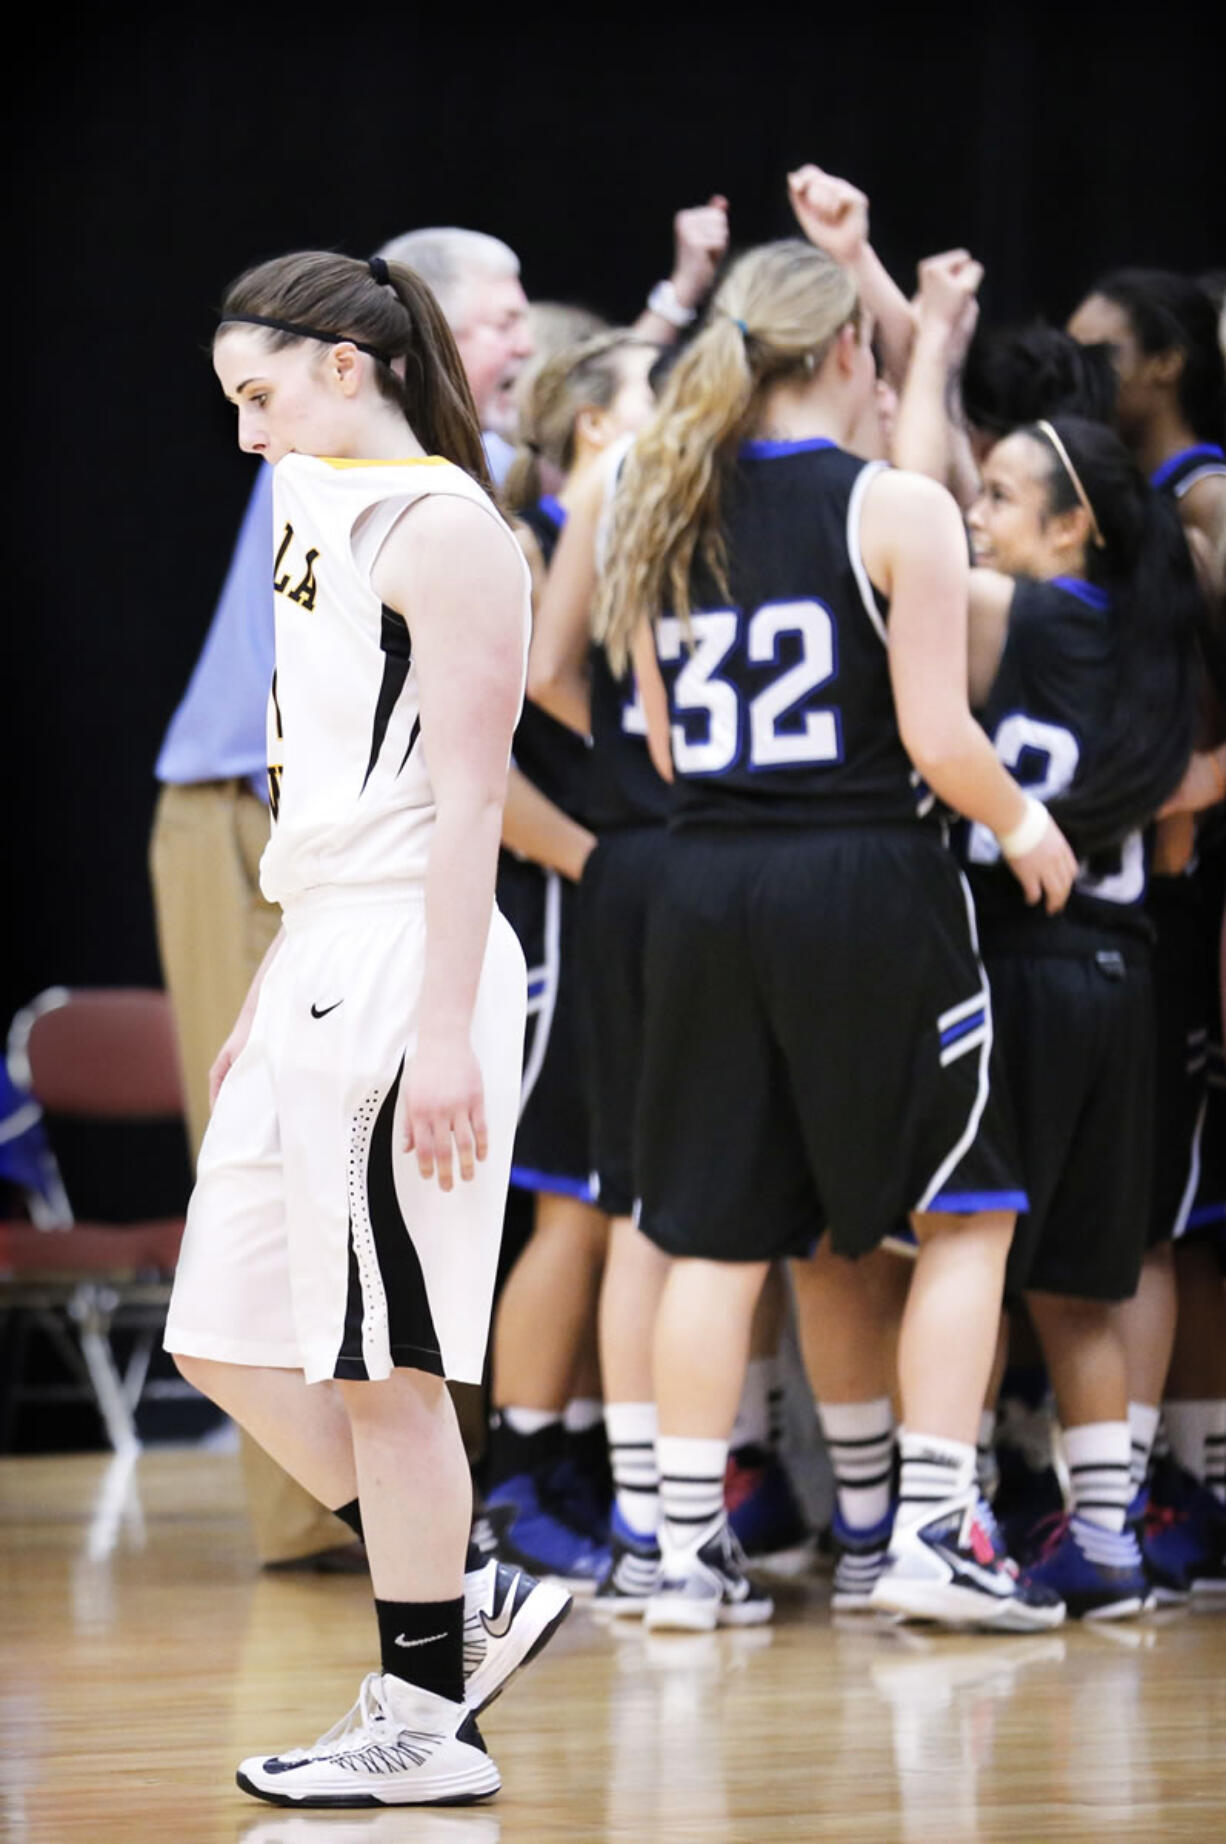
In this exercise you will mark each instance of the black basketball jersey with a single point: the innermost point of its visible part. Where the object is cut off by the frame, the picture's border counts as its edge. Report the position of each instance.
(551, 755)
(1049, 701)
(781, 706)
(1180, 472)
(625, 788)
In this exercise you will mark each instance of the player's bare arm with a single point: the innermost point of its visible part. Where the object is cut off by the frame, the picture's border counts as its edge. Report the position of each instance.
(452, 570)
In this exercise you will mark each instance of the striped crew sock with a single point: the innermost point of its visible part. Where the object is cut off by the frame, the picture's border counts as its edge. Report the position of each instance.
(934, 1471)
(1099, 1455)
(1197, 1433)
(691, 1488)
(859, 1438)
(1142, 1428)
(631, 1430)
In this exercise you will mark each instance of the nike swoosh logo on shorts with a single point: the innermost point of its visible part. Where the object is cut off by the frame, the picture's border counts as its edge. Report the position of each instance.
(316, 1013)
(500, 1625)
(429, 1640)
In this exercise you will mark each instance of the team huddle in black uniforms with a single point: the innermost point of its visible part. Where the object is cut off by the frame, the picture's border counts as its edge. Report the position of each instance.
(923, 1002)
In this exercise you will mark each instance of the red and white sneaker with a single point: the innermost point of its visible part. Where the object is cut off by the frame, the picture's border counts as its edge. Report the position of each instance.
(952, 1567)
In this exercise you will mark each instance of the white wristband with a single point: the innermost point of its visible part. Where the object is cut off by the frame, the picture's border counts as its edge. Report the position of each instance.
(1028, 831)
(665, 301)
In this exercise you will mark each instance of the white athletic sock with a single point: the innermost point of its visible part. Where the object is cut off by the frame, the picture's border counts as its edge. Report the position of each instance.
(933, 1472)
(1099, 1455)
(528, 1421)
(631, 1428)
(987, 1470)
(691, 1487)
(582, 1413)
(859, 1438)
(1197, 1433)
(752, 1427)
(1142, 1427)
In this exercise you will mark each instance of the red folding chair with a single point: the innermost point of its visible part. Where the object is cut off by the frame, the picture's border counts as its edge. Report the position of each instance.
(96, 1054)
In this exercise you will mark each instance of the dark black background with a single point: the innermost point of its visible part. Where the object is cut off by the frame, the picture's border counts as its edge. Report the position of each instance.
(151, 158)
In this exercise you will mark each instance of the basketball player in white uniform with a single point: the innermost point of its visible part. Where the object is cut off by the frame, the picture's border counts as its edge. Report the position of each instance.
(342, 1240)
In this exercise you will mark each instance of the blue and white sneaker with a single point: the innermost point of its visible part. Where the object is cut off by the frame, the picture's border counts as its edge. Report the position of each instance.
(531, 1534)
(859, 1557)
(763, 1513)
(952, 1567)
(1097, 1573)
(509, 1617)
(398, 1746)
(705, 1585)
(634, 1571)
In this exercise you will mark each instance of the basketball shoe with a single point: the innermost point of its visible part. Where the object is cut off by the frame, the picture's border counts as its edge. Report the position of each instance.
(509, 1617)
(1097, 1573)
(398, 1746)
(951, 1566)
(705, 1585)
(1184, 1537)
(859, 1557)
(532, 1534)
(634, 1571)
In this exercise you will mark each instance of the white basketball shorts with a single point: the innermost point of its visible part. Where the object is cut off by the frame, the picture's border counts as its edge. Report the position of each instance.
(312, 1241)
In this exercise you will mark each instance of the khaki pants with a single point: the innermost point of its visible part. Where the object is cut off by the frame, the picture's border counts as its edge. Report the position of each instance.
(214, 928)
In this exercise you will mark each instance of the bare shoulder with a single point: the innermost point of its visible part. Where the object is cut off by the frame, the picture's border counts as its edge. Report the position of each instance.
(448, 538)
(991, 591)
(907, 517)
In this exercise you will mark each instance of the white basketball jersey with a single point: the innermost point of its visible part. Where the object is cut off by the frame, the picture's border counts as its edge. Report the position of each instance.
(348, 766)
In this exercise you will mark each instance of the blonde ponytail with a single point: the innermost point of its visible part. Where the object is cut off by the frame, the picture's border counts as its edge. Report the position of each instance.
(775, 314)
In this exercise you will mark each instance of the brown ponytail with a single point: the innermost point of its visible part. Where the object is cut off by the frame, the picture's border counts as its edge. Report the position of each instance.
(339, 298)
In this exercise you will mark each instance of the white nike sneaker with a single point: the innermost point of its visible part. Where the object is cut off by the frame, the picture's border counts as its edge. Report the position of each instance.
(952, 1567)
(508, 1618)
(705, 1586)
(398, 1746)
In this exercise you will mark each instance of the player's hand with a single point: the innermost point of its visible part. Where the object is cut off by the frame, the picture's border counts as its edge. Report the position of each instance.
(700, 242)
(831, 212)
(1046, 872)
(948, 286)
(444, 1111)
(228, 1054)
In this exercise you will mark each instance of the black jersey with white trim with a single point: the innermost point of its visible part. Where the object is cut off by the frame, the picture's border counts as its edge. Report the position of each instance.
(552, 756)
(779, 693)
(1049, 702)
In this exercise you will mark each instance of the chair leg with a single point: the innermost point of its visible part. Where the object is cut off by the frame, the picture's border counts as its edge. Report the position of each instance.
(92, 1314)
(137, 1370)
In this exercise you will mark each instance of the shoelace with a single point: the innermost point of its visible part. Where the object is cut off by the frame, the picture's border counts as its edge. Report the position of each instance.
(369, 1708)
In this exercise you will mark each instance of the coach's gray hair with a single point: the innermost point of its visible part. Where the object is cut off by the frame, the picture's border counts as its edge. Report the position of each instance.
(449, 260)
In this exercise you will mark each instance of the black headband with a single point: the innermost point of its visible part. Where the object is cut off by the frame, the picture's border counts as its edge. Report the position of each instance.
(300, 332)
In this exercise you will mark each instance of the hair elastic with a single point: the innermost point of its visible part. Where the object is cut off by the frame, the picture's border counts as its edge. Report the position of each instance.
(1073, 475)
(379, 269)
(301, 332)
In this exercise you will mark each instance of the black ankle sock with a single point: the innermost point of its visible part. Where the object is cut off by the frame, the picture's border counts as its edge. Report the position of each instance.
(423, 1643)
(511, 1454)
(350, 1514)
(589, 1449)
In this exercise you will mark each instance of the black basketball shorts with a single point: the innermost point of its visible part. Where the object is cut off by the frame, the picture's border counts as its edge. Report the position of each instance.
(614, 896)
(819, 1045)
(1207, 1215)
(551, 1142)
(1076, 1034)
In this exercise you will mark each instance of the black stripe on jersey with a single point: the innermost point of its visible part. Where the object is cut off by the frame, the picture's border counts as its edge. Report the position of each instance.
(397, 658)
(414, 733)
(411, 1334)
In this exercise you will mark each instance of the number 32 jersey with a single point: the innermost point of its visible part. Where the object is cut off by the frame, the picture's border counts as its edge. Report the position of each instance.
(348, 766)
(780, 700)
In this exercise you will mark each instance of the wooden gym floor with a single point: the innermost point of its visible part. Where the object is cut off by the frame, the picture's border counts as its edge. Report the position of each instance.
(142, 1654)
